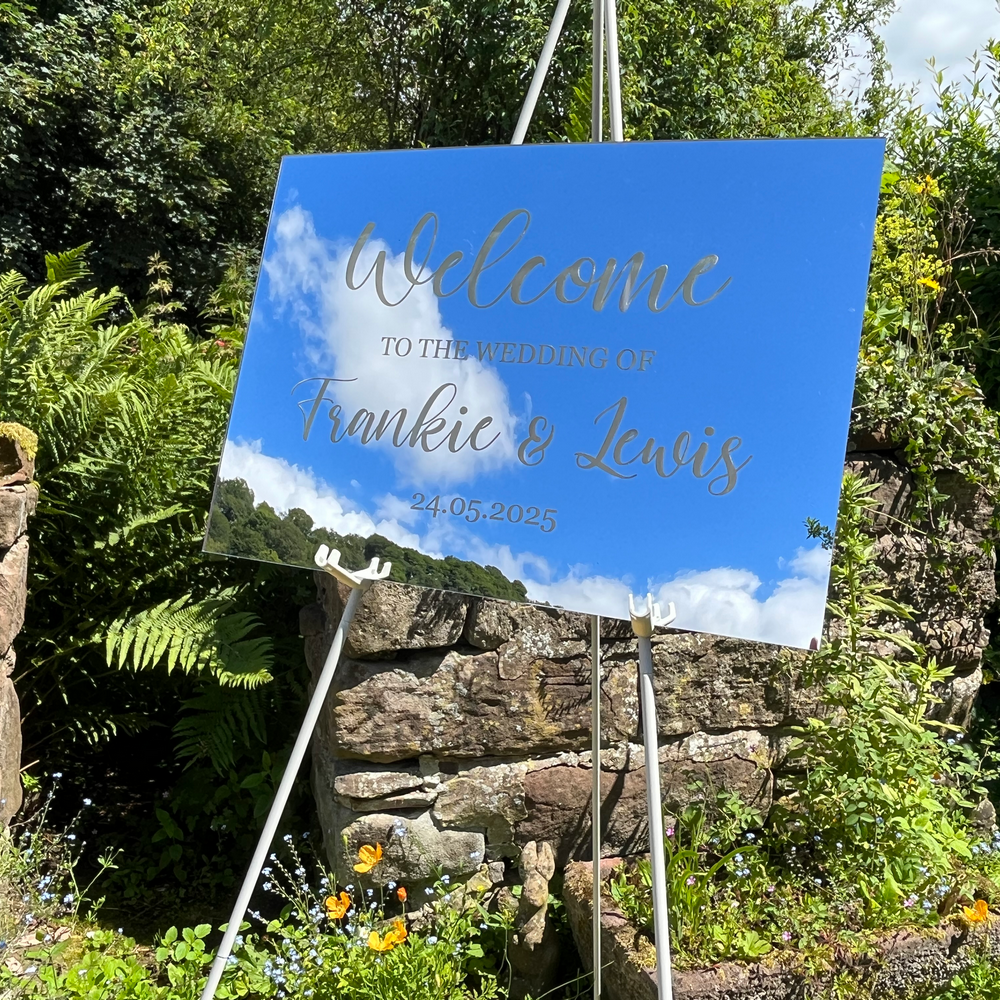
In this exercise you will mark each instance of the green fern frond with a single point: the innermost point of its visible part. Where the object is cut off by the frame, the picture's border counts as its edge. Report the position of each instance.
(219, 725)
(67, 267)
(193, 636)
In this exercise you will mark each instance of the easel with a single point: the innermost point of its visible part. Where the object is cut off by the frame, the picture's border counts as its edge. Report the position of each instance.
(643, 622)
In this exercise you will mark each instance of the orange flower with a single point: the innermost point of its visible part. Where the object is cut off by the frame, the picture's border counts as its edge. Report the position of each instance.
(336, 906)
(388, 941)
(979, 913)
(401, 894)
(369, 857)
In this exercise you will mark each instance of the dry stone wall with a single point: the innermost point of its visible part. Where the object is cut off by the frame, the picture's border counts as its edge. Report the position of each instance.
(18, 496)
(458, 728)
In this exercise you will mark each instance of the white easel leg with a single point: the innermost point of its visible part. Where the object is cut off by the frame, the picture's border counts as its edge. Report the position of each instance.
(597, 76)
(284, 791)
(595, 801)
(541, 69)
(643, 623)
(661, 920)
(614, 74)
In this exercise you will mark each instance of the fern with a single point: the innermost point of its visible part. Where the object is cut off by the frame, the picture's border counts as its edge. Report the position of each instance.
(130, 410)
(218, 723)
(193, 636)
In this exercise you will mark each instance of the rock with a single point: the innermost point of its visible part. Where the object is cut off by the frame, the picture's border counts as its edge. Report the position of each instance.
(17, 504)
(957, 695)
(625, 973)
(13, 591)
(17, 454)
(10, 751)
(375, 784)
(394, 617)
(534, 948)
(951, 584)
(558, 798)
(984, 818)
(489, 798)
(453, 705)
(414, 849)
(706, 683)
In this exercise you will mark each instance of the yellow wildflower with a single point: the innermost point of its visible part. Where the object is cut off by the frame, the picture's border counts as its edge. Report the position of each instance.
(388, 941)
(336, 906)
(369, 857)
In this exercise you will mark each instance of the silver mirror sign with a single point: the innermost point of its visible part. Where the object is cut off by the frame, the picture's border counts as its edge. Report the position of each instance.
(561, 373)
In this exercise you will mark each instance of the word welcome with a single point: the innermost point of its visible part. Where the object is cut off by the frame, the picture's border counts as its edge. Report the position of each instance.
(511, 353)
(572, 284)
(615, 441)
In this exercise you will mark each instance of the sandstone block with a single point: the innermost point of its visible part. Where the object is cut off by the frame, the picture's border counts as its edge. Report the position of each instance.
(394, 617)
(13, 591)
(17, 504)
(707, 683)
(10, 751)
(488, 798)
(453, 705)
(414, 848)
(557, 798)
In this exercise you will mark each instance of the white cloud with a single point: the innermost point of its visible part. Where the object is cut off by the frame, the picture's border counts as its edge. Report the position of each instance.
(949, 31)
(284, 486)
(721, 601)
(346, 341)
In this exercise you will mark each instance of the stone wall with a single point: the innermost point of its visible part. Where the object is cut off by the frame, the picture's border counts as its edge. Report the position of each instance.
(458, 728)
(18, 496)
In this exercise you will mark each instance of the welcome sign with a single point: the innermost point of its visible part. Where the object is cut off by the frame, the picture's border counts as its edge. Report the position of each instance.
(560, 373)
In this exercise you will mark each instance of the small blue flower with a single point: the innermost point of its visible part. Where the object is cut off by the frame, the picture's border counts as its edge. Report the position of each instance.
(87, 802)
(57, 775)
(68, 898)
(432, 940)
(738, 857)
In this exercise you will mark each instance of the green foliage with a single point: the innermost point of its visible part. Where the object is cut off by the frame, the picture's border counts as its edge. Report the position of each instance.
(116, 132)
(129, 418)
(158, 128)
(241, 528)
(454, 948)
(916, 382)
(192, 636)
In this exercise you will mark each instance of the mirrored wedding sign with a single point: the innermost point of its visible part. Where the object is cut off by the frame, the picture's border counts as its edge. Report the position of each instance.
(559, 373)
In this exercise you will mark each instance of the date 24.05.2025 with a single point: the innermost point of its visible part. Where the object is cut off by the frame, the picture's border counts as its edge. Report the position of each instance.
(473, 511)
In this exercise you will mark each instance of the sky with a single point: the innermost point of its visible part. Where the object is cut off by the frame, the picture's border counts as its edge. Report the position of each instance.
(589, 443)
(947, 30)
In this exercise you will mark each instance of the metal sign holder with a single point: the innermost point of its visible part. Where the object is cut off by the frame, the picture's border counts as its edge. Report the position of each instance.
(359, 582)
